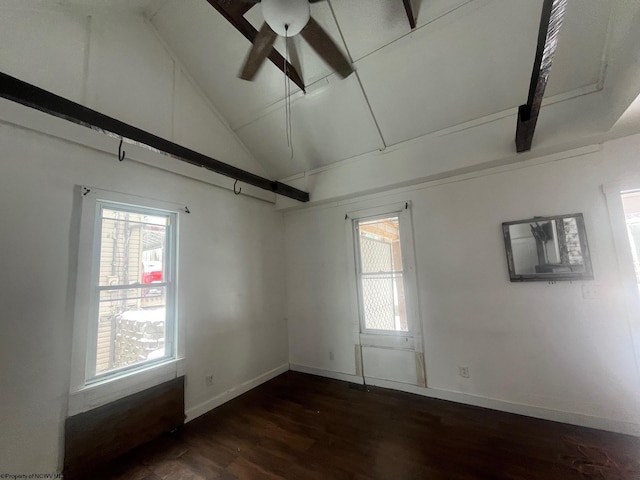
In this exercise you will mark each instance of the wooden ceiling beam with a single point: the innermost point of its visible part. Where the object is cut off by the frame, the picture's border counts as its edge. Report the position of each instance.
(233, 11)
(34, 97)
(550, 23)
(409, 9)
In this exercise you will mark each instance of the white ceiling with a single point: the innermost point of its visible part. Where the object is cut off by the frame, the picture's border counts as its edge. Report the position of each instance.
(134, 5)
(467, 60)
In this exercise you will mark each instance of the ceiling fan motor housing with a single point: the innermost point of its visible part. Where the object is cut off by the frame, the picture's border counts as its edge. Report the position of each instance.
(286, 17)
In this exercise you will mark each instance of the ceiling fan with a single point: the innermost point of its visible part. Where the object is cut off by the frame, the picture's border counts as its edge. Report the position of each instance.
(288, 18)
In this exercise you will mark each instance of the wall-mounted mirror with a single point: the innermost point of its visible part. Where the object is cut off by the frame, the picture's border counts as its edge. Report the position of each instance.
(547, 249)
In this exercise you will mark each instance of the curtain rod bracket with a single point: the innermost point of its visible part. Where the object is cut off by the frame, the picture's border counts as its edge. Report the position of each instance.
(21, 92)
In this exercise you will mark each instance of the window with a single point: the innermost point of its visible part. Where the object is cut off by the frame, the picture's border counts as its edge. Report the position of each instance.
(631, 206)
(623, 203)
(132, 314)
(125, 316)
(382, 243)
(386, 314)
(380, 273)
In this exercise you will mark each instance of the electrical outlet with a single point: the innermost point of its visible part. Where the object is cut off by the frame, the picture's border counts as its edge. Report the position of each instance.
(463, 371)
(331, 357)
(208, 380)
(590, 291)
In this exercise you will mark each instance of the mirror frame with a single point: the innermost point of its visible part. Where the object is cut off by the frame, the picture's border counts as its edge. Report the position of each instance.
(587, 274)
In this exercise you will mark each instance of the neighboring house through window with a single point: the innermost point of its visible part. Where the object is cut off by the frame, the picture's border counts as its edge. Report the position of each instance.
(132, 309)
(125, 318)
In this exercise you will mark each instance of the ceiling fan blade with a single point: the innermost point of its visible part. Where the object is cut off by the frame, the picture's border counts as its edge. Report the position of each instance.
(260, 50)
(324, 46)
(258, 1)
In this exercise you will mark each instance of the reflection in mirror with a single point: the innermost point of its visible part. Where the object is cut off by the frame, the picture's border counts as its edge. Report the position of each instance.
(547, 248)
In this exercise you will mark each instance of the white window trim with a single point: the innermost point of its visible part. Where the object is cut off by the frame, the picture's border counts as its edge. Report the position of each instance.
(613, 193)
(87, 395)
(403, 211)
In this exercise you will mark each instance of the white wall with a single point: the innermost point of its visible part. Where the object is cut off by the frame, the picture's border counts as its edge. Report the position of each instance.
(231, 291)
(533, 344)
(118, 65)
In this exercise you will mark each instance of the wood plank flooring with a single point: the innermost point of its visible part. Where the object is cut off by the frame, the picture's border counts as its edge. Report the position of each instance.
(301, 427)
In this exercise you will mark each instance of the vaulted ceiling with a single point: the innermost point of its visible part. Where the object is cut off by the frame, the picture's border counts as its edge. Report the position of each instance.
(467, 59)
(467, 62)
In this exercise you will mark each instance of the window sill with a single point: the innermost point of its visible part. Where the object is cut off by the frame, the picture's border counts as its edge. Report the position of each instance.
(398, 342)
(100, 393)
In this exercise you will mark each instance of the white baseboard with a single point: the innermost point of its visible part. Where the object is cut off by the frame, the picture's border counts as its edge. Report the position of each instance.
(204, 407)
(579, 419)
(326, 373)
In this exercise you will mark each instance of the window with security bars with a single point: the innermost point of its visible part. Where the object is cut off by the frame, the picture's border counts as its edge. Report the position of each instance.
(135, 289)
(381, 275)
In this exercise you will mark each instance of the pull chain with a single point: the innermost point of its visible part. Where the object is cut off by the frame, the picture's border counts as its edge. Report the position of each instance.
(287, 92)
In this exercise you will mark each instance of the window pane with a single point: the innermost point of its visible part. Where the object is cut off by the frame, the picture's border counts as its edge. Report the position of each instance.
(631, 204)
(131, 327)
(383, 302)
(132, 248)
(381, 278)
(380, 245)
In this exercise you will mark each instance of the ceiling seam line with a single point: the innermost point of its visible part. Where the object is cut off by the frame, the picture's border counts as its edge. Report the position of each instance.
(335, 19)
(150, 13)
(174, 92)
(364, 94)
(418, 27)
(373, 116)
(279, 104)
(604, 58)
(182, 69)
(86, 61)
(509, 112)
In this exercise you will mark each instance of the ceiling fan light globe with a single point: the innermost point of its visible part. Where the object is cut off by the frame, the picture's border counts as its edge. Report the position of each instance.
(286, 17)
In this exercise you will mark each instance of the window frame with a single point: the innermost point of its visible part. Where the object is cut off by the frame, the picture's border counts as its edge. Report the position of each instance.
(402, 211)
(613, 193)
(169, 284)
(629, 286)
(88, 390)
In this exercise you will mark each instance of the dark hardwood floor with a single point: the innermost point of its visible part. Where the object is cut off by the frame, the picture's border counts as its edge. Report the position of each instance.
(300, 426)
